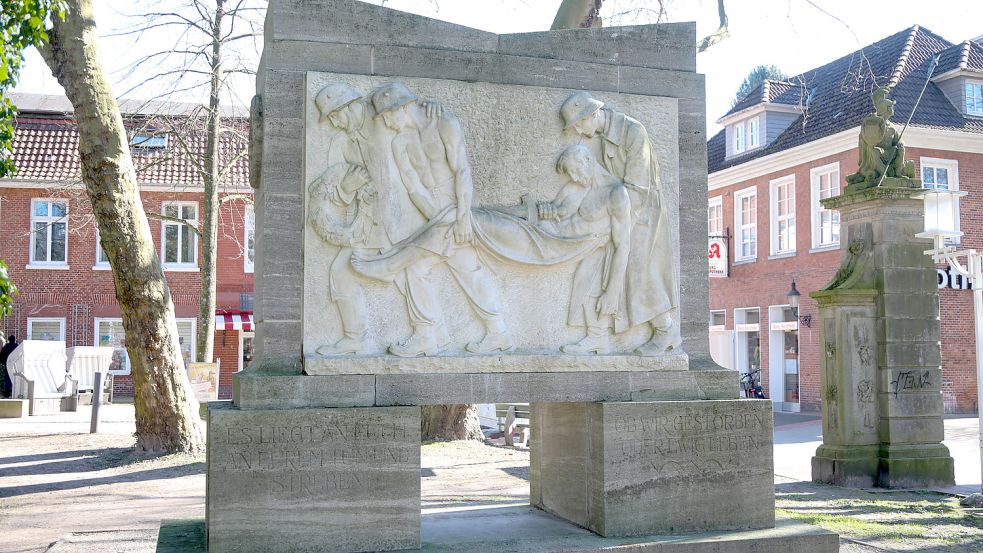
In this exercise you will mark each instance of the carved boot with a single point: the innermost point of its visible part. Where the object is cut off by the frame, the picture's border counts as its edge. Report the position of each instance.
(349, 345)
(494, 340)
(663, 339)
(354, 342)
(597, 341)
(422, 342)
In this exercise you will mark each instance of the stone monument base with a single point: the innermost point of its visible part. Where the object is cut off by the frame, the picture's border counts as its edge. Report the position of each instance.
(885, 466)
(847, 466)
(529, 530)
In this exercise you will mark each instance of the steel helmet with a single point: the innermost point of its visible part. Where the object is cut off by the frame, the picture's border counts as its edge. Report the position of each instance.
(333, 97)
(578, 107)
(391, 96)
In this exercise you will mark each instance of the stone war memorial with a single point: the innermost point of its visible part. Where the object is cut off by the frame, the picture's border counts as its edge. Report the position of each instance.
(446, 215)
(881, 376)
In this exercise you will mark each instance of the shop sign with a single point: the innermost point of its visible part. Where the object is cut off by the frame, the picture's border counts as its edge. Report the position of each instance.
(717, 254)
(747, 327)
(949, 278)
(787, 325)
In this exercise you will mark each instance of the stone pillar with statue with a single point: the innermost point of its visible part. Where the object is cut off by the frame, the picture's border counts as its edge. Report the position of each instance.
(449, 216)
(879, 329)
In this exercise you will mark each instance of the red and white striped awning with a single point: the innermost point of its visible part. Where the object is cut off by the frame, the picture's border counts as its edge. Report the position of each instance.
(240, 320)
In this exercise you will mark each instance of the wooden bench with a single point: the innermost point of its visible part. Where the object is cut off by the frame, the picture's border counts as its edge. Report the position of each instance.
(513, 418)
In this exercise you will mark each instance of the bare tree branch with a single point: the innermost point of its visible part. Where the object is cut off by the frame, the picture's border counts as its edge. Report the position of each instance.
(721, 33)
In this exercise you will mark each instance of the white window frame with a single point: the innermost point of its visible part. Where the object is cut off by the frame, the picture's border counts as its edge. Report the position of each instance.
(740, 226)
(243, 334)
(178, 266)
(952, 167)
(249, 231)
(818, 210)
(715, 205)
(95, 340)
(775, 218)
(972, 85)
(59, 320)
(49, 219)
(754, 132)
(720, 327)
(194, 335)
(100, 265)
(740, 137)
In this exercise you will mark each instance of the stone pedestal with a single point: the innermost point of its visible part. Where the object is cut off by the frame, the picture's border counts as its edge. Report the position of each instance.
(325, 480)
(881, 378)
(630, 469)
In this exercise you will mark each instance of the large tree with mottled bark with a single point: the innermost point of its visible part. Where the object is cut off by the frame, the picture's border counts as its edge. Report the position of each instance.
(166, 410)
(204, 54)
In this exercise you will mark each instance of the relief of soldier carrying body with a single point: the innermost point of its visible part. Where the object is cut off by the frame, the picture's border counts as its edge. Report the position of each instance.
(606, 218)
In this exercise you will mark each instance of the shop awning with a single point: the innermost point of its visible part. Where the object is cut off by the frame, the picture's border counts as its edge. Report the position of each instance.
(234, 320)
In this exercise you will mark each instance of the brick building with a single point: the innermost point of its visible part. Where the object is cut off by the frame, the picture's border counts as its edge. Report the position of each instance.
(786, 145)
(49, 240)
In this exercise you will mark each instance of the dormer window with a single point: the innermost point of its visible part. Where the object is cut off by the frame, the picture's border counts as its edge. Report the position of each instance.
(974, 98)
(747, 134)
(149, 142)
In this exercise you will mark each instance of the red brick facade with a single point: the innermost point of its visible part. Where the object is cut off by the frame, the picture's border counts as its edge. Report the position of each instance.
(763, 283)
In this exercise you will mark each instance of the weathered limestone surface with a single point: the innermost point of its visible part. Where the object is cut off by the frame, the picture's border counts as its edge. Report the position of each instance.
(881, 380)
(306, 480)
(272, 391)
(628, 469)
(506, 363)
(369, 41)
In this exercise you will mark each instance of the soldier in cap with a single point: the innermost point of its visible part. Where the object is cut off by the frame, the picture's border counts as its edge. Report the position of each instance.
(342, 187)
(433, 165)
(626, 152)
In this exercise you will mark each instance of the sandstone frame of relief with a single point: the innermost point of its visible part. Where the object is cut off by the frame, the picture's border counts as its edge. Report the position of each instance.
(359, 204)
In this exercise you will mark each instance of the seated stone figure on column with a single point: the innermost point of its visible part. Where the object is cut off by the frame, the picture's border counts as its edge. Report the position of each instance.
(432, 163)
(593, 202)
(882, 161)
(344, 192)
(626, 153)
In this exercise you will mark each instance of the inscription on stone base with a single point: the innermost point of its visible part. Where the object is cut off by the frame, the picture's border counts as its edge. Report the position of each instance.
(326, 480)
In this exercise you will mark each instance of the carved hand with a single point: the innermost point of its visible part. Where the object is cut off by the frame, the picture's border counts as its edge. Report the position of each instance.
(547, 211)
(434, 109)
(607, 304)
(462, 227)
(356, 178)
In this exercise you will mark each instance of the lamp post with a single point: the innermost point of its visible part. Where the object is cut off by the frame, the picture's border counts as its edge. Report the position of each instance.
(941, 223)
(793, 296)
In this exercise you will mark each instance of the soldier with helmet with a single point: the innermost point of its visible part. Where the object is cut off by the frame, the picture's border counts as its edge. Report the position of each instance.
(626, 152)
(432, 163)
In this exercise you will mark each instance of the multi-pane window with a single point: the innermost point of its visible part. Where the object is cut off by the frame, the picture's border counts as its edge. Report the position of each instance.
(754, 139)
(49, 232)
(102, 260)
(249, 240)
(715, 217)
(718, 318)
(110, 333)
(746, 220)
(825, 222)
(974, 98)
(942, 174)
(739, 144)
(783, 215)
(746, 134)
(180, 243)
(46, 328)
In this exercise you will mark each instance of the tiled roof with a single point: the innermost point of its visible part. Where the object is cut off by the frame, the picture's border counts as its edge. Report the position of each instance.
(780, 92)
(967, 56)
(842, 95)
(46, 149)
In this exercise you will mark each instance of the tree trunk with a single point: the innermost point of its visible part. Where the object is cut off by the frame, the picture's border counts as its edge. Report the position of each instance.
(166, 411)
(209, 229)
(450, 422)
(577, 14)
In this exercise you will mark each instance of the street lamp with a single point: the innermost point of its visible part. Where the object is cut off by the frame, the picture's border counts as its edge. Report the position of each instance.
(941, 223)
(793, 296)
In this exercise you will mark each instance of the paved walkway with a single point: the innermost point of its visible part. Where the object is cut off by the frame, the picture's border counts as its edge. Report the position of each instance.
(798, 435)
(56, 479)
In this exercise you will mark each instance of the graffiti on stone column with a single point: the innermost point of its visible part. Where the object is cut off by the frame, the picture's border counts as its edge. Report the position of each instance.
(911, 381)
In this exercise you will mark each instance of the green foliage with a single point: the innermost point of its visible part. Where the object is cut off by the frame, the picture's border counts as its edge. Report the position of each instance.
(22, 24)
(7, 291)
(755, 77)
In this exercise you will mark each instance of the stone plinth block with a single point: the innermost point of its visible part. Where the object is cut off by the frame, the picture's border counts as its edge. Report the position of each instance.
(13, 408)
(305, 480)
(629, 469)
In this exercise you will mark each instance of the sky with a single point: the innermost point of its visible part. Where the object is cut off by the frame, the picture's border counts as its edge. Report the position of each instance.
(795, 35)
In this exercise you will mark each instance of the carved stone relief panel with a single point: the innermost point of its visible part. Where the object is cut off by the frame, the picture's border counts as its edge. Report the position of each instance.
(445, 218)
